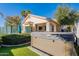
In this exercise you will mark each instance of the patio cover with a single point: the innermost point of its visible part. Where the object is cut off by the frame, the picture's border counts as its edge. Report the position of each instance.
(36, 19)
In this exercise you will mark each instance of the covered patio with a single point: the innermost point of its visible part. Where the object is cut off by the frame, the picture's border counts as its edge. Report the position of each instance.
(40, 27)
(34, 23)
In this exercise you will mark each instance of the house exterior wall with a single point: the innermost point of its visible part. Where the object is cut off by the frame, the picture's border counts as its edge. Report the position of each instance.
(48, 27)
(33, 27)
(76, 31)
(56, 26)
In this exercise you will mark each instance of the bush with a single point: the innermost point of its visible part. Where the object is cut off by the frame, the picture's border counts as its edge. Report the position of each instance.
(14, 39)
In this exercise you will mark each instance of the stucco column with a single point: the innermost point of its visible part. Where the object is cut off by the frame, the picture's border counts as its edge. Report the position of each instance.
(48, 27)
(55, 28)
(34, 27)
(23, 28)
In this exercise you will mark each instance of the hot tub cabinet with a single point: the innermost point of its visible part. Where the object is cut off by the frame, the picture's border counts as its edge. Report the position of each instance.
(53, 43)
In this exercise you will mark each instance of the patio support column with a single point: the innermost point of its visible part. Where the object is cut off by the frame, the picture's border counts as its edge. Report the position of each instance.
(54, 28)
(48, 27)
(23, 29)
(34, 27)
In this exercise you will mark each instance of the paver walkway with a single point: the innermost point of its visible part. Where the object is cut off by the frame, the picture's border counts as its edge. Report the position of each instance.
(37, 51)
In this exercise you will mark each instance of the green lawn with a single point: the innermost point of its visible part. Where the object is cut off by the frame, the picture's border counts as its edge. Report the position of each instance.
(17, 51)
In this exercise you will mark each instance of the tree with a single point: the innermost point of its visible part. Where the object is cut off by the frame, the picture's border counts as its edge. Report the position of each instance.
(13, 21)
(25, 13)
(61, 14)
(66, 15)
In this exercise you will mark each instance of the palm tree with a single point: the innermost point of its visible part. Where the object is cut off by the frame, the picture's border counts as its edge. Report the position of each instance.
(25, 13)
(13, 21)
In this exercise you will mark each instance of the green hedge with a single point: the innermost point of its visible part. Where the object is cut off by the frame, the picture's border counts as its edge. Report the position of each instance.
(14, 39)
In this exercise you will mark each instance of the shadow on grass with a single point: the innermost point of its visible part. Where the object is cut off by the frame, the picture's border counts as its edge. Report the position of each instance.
(6, 51)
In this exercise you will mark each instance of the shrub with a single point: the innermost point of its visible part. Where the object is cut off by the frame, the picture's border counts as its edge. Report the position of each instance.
(14, 39)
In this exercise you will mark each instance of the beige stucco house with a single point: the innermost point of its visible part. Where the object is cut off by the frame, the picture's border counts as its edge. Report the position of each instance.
(39, 24)
(44, 37)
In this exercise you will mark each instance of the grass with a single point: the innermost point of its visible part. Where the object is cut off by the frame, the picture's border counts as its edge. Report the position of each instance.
(17, 51)
(2, 34)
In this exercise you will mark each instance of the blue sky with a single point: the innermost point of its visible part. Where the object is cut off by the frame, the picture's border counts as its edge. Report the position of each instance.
(41, 9)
